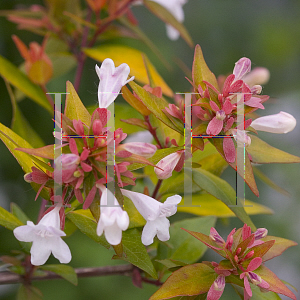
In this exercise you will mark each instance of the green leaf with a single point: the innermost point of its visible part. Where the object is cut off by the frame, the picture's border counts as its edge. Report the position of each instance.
(159, 154)
(278, 248)
(18, 213)
(86, 223)
(201, 71)
(136, 253)
(29, 292)
(155, 105)
(66, 272)
(276, 285)
(75, 110)
(133, 58)
(172, 264)
(8, 220)
(15, 77)
(187, 281)
(222, 190)
(185, 247)
(263, 153)
(162, 13)
(210, 205)
(136, 219)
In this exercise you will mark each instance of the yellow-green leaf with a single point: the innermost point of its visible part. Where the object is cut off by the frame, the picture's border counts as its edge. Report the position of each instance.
(15, 77)
(187, 281)
(211, 206)
(75, 110)
(263, 153)
(156, 105)
(8, 220)
(201, 71)
(86, 223)
(134, 58)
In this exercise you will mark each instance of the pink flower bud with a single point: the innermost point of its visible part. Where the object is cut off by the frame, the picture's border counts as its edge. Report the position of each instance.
(166, 165)
(238, 251)
(97, 127)
(68, 164)
(256, 89)
(214, 235)
(258, 75)
(28, 177)
(220, 115)
(242, 67)
(139, 148)
(219, 283)
(249, 254)
(255, 279)
(279, 123)
(260, 233)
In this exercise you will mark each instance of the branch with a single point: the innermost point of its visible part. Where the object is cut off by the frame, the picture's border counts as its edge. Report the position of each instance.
(126, 270)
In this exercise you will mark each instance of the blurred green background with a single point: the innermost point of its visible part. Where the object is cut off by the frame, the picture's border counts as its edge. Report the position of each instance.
(268, 32)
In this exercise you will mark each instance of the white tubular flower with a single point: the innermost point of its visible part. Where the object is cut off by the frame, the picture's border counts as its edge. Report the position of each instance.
(113, 220)
(155, 213)
(279, 123)
(111, 81)
(46, 238)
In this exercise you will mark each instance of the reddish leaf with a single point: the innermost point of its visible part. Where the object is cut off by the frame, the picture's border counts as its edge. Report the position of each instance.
(278, 248)
(187, 281)
(45, 152)
(276, 285)
(207, 241)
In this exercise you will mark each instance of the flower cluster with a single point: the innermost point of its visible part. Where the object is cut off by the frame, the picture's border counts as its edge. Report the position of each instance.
(82, 167)
(245, 253)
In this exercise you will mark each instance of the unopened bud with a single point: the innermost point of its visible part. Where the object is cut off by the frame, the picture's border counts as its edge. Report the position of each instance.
(260, 233)
(214, 235)
(255, 279)
(220, 115)
(242, 67)
(238, 251)
(219, 283)
(256, 89)
(28, 177)
(279, 123)
(258, 75)
(249, 254)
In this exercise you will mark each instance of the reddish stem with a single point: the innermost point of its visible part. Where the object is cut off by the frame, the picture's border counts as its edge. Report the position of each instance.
(153, 131)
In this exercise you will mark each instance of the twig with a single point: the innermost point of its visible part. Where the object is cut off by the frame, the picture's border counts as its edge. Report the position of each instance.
(159, 182)
(126, 270)
(153, 131)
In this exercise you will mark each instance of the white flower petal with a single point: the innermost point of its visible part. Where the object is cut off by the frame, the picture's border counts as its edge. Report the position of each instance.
(40, 251)
(25, 233)
(149, 233)
(113, 234)
(123, 220)
(51, 218)
(147, 206)
(100, 228)
(163, 225)
(61, 250)
(172, 33)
